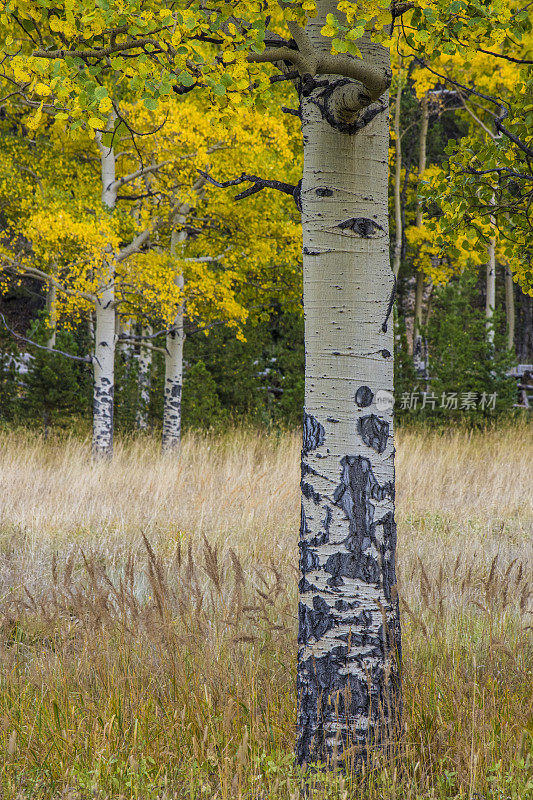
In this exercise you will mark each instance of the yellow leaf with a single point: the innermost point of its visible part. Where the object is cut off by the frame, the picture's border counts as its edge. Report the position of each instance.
(42, 88)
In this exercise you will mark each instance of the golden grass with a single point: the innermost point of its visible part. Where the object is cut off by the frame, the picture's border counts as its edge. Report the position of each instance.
(148, 629)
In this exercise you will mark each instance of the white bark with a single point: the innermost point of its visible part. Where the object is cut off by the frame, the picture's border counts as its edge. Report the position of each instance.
(145, 366)
(397, 252)
(174, 360)
(104, 348)
(126, 344)
(348, 611)
(490, 302)
(51, 307)
(419, 290)
(104, 356)
(509, 307)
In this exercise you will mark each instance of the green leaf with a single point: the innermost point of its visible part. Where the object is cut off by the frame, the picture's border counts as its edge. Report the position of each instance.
(340, 45)
(150, 103)
(185, 79)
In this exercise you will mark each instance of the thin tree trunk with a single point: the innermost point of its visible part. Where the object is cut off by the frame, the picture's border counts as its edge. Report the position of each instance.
(509, 307)
(104, 357)
(490, 301)
(397, 252)
(419, 291)
(51, 307)
(145, 367)
(349, 635)
(104, 346)
(126, 346)
(525, 328)
(174, 360)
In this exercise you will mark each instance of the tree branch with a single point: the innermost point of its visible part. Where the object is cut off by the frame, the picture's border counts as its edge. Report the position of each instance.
(273, 54)
(84, 359)
(134, 246)
(102, 53)
(138, 174)
(34, 272)
(257, 185)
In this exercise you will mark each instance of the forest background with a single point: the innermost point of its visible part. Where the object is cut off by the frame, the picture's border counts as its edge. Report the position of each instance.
(463, 316)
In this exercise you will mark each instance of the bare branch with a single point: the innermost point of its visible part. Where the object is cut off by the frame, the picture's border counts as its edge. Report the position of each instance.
(274, 54)
(44, 277)
(102, 53)
(258, 185)
(135, 245)
(138, 174)
(84, 359)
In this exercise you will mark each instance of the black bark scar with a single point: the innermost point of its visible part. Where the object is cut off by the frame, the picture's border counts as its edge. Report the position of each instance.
(389, 308)
(365, 228)
(328, 690)
(374, 432)
(364, 396)
(368, 558)
(313, 434)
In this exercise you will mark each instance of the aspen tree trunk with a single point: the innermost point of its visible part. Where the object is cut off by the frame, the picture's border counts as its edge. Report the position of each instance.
(174, 361)
(397, 252)
(490, 302)
(126, 345)
(525, 328)
(419, 291)
(51, 307)
(104, 345)
(509, 307)
(145, 367)
(349, 634)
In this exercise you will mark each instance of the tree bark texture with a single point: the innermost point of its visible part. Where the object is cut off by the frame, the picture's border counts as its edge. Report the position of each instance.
(349, 636)
(509, 308)
(145, 368)
(490, 299)
(397, 251)
(419, 290)
(525, 328)
(51, 307)
(105, 338)
(174, 362)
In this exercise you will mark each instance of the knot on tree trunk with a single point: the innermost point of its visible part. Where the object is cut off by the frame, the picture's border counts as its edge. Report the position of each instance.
(346, 104)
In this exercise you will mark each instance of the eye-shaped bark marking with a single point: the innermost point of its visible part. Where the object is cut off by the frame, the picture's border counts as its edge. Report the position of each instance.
(361, 226)
(374, 432)
(324, 192)
(364, 396)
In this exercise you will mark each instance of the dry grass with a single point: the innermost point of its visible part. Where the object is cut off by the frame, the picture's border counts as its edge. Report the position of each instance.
(147, 620)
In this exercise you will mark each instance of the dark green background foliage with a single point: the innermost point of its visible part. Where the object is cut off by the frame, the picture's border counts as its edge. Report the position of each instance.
(261, 381)
(460, 359)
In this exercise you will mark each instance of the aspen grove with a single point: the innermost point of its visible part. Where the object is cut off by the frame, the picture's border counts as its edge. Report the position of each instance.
(184, 108)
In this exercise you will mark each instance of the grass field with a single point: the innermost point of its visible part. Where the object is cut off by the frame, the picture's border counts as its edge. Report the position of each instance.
(147, 620)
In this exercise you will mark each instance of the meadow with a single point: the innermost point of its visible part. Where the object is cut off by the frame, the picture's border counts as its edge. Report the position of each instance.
(148, 626)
